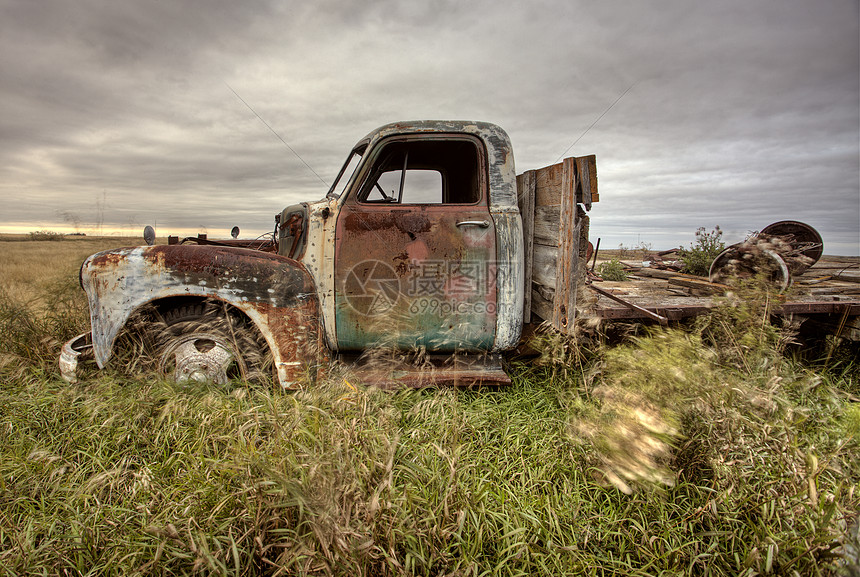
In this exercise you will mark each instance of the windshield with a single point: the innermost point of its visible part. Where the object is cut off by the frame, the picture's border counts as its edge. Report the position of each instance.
(345, 174)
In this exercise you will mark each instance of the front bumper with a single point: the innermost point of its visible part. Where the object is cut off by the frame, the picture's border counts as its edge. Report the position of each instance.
(71, 354)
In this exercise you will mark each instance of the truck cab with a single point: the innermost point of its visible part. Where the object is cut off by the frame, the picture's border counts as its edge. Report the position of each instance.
(418, 244)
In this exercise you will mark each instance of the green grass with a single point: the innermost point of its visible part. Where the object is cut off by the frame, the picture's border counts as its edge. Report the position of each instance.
(705, 452)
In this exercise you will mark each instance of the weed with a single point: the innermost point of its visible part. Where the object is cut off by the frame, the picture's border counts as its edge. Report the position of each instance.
(698, 258)
(612, 270)
(641, 250)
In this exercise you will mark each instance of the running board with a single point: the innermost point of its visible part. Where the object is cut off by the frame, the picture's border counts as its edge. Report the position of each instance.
(391, 371)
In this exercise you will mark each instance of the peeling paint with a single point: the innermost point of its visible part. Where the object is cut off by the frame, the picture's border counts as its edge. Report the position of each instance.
(510, 279)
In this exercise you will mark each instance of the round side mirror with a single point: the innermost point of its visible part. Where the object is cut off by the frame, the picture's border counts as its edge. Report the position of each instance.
(149, 235)
(235, 232)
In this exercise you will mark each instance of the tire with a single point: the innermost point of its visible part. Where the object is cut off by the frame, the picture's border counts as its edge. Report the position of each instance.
(207, 342)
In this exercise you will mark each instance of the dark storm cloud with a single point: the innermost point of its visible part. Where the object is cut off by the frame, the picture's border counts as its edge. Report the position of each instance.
(738, 113)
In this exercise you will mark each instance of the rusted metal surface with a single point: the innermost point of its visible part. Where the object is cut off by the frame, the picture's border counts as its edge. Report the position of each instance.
(445, 277)
(275, 292)
(510, 280)
(805, 242)
(746, 260)
(408, 276)
(780, 250)
(318, 258)
(292, 227)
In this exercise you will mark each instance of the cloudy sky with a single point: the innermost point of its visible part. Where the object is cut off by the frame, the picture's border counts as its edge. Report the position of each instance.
(738, 113)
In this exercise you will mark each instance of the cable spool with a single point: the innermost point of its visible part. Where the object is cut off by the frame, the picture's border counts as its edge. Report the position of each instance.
(806, 244)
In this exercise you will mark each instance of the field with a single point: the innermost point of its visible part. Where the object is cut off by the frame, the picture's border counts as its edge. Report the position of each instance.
(712, 449)
(29, 270)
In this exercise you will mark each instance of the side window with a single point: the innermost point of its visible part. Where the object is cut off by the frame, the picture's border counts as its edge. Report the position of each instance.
(427, 171)
(419, 187)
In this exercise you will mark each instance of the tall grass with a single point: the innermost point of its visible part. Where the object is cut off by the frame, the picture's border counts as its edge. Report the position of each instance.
(671, 454)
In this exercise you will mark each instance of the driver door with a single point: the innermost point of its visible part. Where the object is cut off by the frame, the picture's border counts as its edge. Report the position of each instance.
(415, 249)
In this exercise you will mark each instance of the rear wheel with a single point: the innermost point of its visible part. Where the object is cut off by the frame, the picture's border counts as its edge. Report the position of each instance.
(208, 343)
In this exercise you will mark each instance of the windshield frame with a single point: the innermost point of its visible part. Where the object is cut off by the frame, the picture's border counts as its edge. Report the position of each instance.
(355, 153)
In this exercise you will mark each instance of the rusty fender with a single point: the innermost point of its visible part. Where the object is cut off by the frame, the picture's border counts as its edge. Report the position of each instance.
(275, 292)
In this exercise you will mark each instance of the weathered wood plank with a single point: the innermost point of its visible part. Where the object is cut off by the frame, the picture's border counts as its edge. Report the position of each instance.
(631, 305)
(700, 285)
(681, 309)
(847, 277)
(834, 290)
(658, 273)
(544, 266)
(551, 179)
(557, 239)
(546, 225)
(548, 185)
(547, 293)
(673, 313)
(541, 306)
(526, 201)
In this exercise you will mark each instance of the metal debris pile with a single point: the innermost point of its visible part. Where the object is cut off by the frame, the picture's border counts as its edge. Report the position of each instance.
(779, 251)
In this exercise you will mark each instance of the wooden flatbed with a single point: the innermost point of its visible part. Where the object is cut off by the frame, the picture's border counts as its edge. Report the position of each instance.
(830, 289)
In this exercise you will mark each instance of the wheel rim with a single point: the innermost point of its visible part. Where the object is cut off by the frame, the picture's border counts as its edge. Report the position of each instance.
(723, 267)
(198, 357)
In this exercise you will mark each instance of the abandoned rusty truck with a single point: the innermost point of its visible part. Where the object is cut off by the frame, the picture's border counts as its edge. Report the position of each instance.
(427, 243)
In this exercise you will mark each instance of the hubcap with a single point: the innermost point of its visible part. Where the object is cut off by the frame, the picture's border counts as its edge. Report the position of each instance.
(198, 357)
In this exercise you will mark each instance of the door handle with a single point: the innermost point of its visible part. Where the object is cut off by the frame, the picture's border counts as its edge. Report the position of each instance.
(481, 223)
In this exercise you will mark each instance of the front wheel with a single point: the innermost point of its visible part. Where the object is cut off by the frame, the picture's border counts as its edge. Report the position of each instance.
(208, 343)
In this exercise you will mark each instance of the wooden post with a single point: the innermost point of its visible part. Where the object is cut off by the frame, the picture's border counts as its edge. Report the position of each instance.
(564, 303)
(586, 170)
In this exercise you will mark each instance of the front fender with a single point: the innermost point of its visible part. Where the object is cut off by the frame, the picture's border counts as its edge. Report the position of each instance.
(277, 293)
